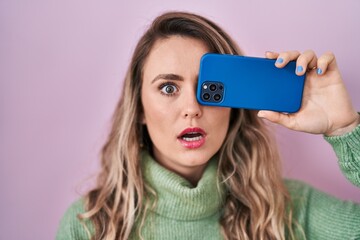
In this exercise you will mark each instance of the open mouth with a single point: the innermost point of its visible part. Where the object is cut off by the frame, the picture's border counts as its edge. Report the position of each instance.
(192, 137)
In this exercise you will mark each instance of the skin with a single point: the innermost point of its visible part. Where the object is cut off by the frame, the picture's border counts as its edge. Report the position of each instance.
(169, 102)
(326, 106)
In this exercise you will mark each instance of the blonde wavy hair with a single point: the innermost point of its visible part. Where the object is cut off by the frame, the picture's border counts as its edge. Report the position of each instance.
(257, 199)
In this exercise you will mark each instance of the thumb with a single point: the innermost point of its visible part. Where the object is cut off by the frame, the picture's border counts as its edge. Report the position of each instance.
(276, 117)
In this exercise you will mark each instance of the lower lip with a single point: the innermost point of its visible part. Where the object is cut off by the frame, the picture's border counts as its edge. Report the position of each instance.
(192, 144)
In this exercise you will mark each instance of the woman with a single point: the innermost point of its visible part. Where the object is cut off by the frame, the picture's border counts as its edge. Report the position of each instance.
(173, 169)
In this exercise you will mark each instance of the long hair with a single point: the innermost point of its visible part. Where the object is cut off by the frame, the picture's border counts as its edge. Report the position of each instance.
(255, 206)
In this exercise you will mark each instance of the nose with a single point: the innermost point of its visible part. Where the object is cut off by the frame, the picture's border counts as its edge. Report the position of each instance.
(192, 108)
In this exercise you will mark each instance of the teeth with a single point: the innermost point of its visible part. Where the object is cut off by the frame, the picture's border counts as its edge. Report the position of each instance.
(192, 139)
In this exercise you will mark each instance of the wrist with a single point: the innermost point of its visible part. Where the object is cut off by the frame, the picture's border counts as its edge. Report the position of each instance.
(346, 129)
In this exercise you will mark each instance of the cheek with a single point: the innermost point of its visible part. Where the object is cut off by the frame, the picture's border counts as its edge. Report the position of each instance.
(221, 117)
(150, 108)
(155, 110)
(220, 122)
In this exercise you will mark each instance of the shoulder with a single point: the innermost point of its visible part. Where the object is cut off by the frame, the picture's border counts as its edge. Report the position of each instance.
(298, 189)
(71, 226)
(300, 194)
(319, 213)
(303, 195)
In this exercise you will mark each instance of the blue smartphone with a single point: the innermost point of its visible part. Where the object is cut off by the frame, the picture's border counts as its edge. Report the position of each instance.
(249, 82)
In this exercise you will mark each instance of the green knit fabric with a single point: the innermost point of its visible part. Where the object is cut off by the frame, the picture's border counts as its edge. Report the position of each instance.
(186, 212)
(347, 149)
(182, 211)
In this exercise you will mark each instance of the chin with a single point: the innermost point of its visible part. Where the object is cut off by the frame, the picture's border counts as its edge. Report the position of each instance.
(196, 158)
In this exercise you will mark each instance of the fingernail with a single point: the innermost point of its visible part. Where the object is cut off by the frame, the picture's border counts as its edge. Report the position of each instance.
(279, 60)
(319, 71)
(299, 69)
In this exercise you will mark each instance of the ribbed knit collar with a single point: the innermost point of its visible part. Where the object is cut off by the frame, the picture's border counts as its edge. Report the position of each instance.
(177, 198)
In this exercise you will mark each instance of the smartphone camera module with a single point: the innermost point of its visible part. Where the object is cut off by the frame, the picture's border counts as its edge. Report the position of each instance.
(212, 92)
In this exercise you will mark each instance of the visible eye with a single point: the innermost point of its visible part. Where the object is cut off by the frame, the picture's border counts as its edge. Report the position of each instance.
(168, 88)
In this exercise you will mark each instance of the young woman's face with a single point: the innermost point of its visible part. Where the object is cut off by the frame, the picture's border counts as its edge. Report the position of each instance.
(185, 135)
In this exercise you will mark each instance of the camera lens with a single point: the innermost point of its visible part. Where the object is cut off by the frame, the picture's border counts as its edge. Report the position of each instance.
(212, 87)
(217, 97)
(206, 96)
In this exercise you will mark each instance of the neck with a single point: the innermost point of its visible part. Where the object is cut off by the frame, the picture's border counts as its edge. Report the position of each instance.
(192, 174)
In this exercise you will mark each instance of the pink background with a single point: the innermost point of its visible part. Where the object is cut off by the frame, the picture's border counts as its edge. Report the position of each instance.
(61, 70)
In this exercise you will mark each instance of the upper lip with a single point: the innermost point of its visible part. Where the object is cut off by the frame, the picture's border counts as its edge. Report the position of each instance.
(192, 130)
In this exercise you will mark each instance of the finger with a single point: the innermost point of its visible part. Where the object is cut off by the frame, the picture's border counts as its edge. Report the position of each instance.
(285, 57)
(271, 55)
(305, 62)
(279, 118)
(325, 62)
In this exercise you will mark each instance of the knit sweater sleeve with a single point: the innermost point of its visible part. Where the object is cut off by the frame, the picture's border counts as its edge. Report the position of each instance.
(347, 149)
(71, 227)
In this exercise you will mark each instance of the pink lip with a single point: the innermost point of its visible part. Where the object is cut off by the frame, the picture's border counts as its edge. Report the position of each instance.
(193, 143)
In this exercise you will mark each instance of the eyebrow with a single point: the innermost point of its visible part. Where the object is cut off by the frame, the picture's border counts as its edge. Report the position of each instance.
(168, 76)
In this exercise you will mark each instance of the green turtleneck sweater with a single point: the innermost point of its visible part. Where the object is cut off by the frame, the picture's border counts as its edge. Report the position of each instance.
(186, 212)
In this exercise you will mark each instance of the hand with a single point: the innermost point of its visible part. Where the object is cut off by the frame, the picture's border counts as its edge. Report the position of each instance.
(326, 105)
